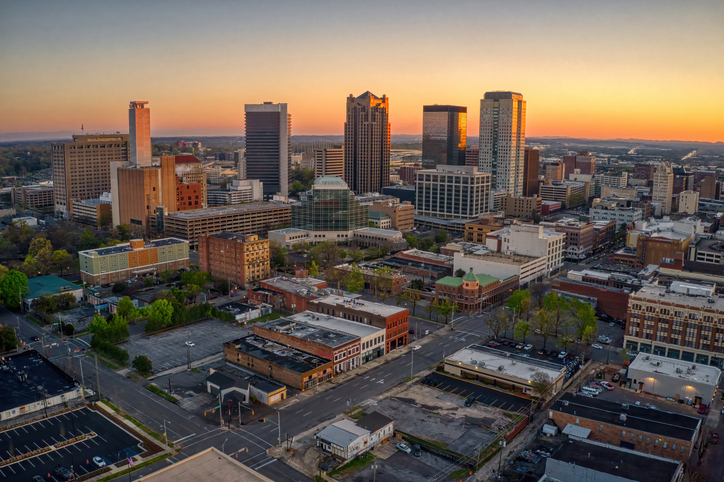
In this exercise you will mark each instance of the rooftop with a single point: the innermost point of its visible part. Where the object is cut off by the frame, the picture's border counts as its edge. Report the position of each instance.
(48, 285)
(211, 464)
(495, 257)
(615, 461)
(126, 247)
(309, 332)
(380, 309)
(659, 294)
(657, 422)
(374, 421)
(341, 433)
(671, 367)
(301, 286)
(335, 323)
(290, 358)
(427, 255)
(491, 359)
(378, 231)
(245, 238)
(291, 231)
(482, 279)
(329, 182)
(236, 307)
(40, 379)
(225, 210)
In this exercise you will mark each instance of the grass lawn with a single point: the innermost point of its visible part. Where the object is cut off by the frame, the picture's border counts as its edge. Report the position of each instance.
(355, 465)
(265, 318)
(161, 393)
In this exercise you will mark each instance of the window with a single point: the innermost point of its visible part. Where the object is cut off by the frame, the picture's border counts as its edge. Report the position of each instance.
(664, 444)
(673, 446)
(623, 433)
(600, 428)
(656, 443)
(640, 437)
(648, 440)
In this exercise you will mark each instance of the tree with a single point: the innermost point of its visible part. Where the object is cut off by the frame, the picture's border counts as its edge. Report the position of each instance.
(68, 329)
(8, 340)
(431, 306)
(544, 324)
(459, 273)
(126, 308)
(412, 297)
(159, 314)
(119, 287)
(3, 271)
(498, 323)
(142, 364)
(441, 236)
(60, 259)
(278, 254)
(334, 276)
(417, 284)
(519, 303)
(313, 269)
(123, 232)
(584, 320)
(384, 278)
(355, 254)
(13, 287)
(327, 253)
(98, 326)
(354, 281)
(166, 276)
(536, 218)
(446, 308)
(522, 328)
(39, 244)
(148, 281)
(195, 278)
(540, 382)
(557, 306)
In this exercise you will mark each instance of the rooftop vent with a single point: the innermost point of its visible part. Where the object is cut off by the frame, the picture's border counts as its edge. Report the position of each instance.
(622, 417)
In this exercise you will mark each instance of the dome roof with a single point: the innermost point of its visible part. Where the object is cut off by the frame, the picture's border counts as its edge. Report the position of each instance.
(469, 276)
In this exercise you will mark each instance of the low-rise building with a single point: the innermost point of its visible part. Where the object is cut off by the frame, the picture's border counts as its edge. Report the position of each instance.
(239, 191)
(366, 237)
(372, 338)
(50, 285)
(290, 366)
(293, 293)
(528, 269)
(380, 220)
(579, 237)
(30, 383)
(572, 193)
(530, 240)
(38, 198)
(501, 369)
(393, 319)
(345, 440)
(475, 292)
(476, 231)
(549, 207)
(401, 214)
(610, 212)
(135, 258)
(227, 386)
(657, 432)
(238, 258)
(343, 348)
(689, 202)
(677, 379)
(244, 312)
(288, 237)
(92, 212)
(528, 207)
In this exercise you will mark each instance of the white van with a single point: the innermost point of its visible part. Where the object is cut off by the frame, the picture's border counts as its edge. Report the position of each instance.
(592, 391)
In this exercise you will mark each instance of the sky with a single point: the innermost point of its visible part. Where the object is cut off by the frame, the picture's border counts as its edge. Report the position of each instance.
(649, 69)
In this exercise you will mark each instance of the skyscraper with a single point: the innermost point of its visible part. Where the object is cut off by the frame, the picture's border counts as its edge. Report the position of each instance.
(139, 130)
(502, 140)
(367, 143)
(329, 161)
(269, 146)
(530, 172)
(663, 186)
(444, 135)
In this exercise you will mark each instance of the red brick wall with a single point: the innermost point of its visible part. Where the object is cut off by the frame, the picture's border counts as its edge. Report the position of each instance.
(610, 302)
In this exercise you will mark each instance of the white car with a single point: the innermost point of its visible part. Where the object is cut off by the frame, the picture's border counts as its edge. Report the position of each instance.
(99, 462)
(528, 347)
(404, 447)
(416, 347)
(606, 385)
(597, 346)
(562, 354)
(190, 343)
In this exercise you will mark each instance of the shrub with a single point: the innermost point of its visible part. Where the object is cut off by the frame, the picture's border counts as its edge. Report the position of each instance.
(110, 350)
(119, 287)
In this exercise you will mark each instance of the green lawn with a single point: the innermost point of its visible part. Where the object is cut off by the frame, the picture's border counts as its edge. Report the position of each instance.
(161, 393)
(354, 465)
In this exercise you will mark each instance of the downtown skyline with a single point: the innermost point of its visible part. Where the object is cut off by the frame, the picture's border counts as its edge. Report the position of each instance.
(620, 70)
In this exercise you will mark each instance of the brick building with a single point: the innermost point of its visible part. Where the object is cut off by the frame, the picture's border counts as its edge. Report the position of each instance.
(402, 214)
(666, 434)
(583, 161)
(38, 198)
(531, 165)
(644, 170)
(612, 301)
(476, 231)
(292, 293)
(474, 292)
(292, 367)
(407, 173)
(241, 258)
(579, 237)
(393, 318)
(522, 206)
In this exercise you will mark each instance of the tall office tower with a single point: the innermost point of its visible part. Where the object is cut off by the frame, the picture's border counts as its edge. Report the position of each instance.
(269, 146)
(444, 135)
(240, 163)
(502, 140)
(584, 161)
(530, 172)
(471, 156)
(644, 170)
(367, 143)
(663, 186)
(139, 130)
(81, 168)
(329, 162)
(710, 188)
(439, 192)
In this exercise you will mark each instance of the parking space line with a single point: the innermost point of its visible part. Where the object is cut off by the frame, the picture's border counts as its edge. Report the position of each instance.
(30, 462)
(11, 468)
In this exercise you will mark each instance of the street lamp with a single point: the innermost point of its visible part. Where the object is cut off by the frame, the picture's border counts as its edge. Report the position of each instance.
(279, 425)
(165, 435)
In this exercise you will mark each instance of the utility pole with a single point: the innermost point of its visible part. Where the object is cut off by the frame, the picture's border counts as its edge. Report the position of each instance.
(412, 360)
(98, 382)
(188, 352)
(221, 414)
(279, 426)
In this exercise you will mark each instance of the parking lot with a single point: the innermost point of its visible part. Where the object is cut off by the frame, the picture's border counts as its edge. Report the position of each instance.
(111, 443)
(168, 350)
(487, 396)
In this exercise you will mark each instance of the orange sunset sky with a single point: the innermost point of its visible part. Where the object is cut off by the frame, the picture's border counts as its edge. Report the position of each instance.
(614, 69)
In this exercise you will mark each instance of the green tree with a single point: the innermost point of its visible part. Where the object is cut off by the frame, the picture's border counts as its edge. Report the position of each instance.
(126, 308)
(441, 236)
(544, 324)
(522, 328)
(313, 269)
(334, 276)
(119, 287)
(557, 306)
(3, 271)
(584, 317)
(540, 382)
(142, 364)
(195, 278)
(417, 284)
(278, 254)
(384, 278)
(166, 276)
(148, 281)
(98, 326)
(411, 297)
(60, 260)
(13, 286)
(39, 244)
(445, 307)
(355, 254)
(355, 280)
(519, 303)
(123, 232)
(326, 252)
(459, 273)
(431, 306)
(159, 314)
(8, 341)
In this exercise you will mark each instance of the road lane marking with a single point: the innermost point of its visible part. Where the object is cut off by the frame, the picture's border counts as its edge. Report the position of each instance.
(340, 398)
(264, 465)
(306, 414)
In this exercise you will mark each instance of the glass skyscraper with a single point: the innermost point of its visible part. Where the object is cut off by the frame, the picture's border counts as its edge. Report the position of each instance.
(444, 135)
(329, 206)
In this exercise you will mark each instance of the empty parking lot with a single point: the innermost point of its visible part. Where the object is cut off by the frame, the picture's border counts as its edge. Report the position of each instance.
(105, 439)
(489, 396)
(168, 350)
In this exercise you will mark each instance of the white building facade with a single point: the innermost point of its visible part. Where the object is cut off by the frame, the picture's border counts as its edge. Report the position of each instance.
(530, 240)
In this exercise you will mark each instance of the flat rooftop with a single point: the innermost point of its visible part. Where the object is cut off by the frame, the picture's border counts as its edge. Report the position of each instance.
(658, 293)
(495, 257)
(236, 308)
(291, 231)
(380, 309)
(126, 247)
(233, 236)
(296, 285)
(232, 210)
(658, 422)
(616, 461)
(426, 255)
(211, 464)
(290, 358)
(671, 367)
(43, 379)
(490, 359)
(306, 331)
(49, 285)
(378, 231)
(336, 323)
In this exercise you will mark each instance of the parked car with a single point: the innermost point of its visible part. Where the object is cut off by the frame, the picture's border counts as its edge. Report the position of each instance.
(38, 478)
(597, 346)
(404, 447)
(562, 355)
(427, 332)
(702, 409)
(528, 347)
(612, 324)
(412, 331)
(35, 338)
(416, 347)
(519, 346)
(63, 472)
(190, 343)
(99, 462)
(607, 385)
(416, 450)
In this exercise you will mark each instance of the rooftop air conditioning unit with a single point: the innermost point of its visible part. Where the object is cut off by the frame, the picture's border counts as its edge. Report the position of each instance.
(622, 417)
(564, 402)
